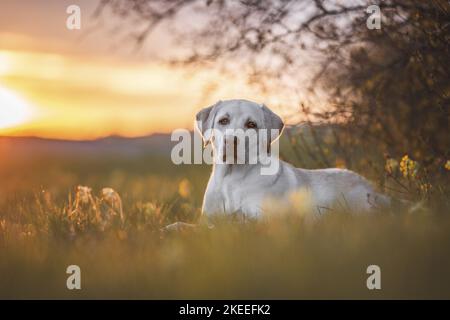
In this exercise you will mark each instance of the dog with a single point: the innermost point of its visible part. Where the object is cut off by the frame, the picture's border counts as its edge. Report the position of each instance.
(237, 185)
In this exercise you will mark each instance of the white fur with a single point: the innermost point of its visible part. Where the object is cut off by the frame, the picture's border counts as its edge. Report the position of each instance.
(241, 188)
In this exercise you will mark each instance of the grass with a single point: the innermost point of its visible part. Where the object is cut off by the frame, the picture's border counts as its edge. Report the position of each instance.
(283, 257)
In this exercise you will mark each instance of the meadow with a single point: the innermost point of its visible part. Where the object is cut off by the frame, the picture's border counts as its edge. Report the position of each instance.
(42, 231)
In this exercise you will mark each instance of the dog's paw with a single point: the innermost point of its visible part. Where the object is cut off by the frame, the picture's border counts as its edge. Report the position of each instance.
(178, 227)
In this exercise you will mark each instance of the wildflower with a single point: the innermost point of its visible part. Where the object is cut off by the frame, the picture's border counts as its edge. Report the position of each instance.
(408, 167)
(447, 165)
(340, 163)
(110, 207)
(112, 198)
(148, 208)
(391, 165)
(184, 188)
(27, 231)
(83, 197)
(301, 201)
(425, 187)
(85, 209)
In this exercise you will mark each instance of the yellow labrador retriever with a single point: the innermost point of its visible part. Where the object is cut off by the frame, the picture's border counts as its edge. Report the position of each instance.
(240, 185)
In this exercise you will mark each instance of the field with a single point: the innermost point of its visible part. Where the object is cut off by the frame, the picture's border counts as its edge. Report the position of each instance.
(281, 257)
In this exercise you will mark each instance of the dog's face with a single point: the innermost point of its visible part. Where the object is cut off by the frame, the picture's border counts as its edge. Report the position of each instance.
(235, 128)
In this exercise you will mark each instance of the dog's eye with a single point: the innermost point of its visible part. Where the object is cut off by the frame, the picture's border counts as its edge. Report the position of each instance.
(224, 121)
(251, 125)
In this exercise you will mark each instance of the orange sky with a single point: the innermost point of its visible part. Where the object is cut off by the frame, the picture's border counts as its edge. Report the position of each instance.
(81, 84)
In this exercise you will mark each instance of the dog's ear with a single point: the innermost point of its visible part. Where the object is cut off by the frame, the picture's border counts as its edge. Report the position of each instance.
(204, 121)
(272, 121)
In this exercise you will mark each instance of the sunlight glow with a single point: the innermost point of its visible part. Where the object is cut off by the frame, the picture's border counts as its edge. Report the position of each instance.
(55, 95)
(13, 109)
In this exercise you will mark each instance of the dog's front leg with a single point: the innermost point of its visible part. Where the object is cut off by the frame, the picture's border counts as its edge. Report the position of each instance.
(214, 201)
(212, 206)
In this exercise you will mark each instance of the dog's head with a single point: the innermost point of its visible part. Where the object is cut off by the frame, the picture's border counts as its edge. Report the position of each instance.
(238, 129)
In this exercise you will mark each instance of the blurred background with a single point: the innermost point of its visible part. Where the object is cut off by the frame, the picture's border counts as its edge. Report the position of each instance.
(96, 81)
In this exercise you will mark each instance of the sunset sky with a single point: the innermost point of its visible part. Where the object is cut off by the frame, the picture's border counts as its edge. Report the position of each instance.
(88, 83)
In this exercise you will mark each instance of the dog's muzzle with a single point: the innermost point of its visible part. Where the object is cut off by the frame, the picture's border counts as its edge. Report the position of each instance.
(233, 142)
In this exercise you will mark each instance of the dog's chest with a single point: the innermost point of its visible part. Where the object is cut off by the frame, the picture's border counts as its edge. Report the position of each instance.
(232, 196)
(235, 196)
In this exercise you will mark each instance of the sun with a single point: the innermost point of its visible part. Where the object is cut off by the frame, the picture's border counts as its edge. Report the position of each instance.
(13, 109)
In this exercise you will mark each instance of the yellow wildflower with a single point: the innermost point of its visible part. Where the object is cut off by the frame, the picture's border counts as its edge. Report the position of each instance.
(112, 204)
(447, 165)
(340, 163)
(184, 188)
(425, 187)
(408, 167)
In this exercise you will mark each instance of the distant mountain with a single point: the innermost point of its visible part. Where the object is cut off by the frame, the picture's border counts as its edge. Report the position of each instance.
(158, 144)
